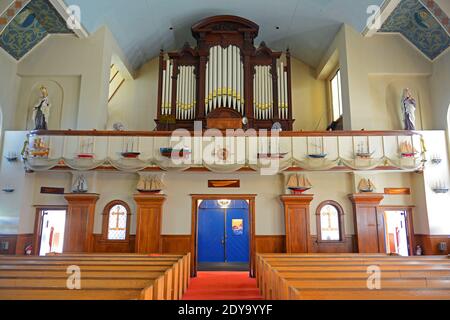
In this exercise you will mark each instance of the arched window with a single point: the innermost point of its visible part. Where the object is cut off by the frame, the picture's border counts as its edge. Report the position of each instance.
(330, 226)
(116, 221)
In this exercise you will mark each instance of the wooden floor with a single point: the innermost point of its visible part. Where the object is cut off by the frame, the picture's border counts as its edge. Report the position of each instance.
(353, 277)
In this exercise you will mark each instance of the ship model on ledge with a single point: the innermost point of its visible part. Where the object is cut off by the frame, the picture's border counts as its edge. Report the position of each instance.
(407, 150)
(86, 149)
(366, 186)
(129, 152)
(298, 184)
(150, 185)
(175, 153)
(363, 152)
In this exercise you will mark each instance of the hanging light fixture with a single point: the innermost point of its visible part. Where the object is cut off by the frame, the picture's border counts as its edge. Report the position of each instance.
(224, 204)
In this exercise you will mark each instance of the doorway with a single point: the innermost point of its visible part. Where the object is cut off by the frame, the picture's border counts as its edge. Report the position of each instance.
(398, 231)
(223, 235)
(50, 231)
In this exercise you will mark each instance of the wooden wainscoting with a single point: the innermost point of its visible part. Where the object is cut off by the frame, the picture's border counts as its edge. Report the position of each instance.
(430, 244)
(24, 240)
(270, 244)
(10, 241)
(105, 246)
(346, 246)
(176, 244)
(16, 243)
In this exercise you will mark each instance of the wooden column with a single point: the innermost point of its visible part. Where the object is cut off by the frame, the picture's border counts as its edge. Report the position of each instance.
(368, 222)
(296, 213)
(149, 222)
(79, 230)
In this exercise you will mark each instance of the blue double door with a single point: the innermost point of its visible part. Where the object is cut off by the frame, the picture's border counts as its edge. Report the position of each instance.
(223, 233)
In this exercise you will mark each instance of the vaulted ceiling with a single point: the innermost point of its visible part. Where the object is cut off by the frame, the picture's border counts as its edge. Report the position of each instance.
(142, 27)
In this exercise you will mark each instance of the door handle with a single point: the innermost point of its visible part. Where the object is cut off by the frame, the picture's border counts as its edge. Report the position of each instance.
(223, 241)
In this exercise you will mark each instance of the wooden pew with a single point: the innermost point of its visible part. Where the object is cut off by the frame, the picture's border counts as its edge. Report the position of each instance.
(317, 276)
(180, 277)
(131, 276)
(364, 294)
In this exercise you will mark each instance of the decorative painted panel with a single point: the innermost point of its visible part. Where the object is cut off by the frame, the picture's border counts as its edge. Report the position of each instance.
(425, 26)
(30, 26)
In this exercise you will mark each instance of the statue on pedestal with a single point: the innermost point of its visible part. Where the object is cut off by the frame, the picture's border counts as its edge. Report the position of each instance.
(409, 108)
(42, 110)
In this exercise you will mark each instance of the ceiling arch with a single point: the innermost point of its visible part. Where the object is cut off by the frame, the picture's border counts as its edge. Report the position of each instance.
(143, 27)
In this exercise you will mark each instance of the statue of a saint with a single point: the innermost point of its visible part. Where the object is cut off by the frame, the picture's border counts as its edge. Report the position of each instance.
(42, 110)
(409, 108)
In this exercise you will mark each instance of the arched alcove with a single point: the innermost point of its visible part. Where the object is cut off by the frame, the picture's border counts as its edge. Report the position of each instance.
(56, 98)
(394, 93)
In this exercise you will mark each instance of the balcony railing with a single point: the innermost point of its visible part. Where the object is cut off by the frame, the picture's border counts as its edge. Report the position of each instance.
(220, 151)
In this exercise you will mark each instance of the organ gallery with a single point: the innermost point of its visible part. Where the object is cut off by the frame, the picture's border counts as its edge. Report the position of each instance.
(250, 150)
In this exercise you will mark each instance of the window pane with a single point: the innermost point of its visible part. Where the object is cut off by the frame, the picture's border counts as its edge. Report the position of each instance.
(329, 223)
(117, 223)
(336, 96)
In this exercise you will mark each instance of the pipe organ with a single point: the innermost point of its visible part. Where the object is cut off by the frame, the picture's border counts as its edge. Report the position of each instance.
(225, 77)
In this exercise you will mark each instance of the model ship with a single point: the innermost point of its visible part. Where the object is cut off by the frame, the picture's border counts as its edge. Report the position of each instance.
(407, 150)
(318, 153)
(178, 153)
(151, 185)
(80, 185)
(39, 149)
(366, 186)
(298, 184)
(86, 149)
(363, 152)
(272, 155)
(440, 188)
(129, 152)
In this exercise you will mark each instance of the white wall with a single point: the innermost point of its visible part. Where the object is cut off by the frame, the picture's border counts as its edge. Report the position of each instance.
(64, 93)
(440, 93)
(363, 59)
(8, 92)
(66, 55)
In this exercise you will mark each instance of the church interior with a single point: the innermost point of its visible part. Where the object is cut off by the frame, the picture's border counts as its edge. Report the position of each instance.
(281, 150)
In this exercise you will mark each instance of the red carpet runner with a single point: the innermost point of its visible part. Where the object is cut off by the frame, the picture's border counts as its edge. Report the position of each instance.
(222, 286)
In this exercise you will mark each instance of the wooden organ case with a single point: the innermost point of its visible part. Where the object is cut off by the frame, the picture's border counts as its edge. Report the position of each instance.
(224, 80)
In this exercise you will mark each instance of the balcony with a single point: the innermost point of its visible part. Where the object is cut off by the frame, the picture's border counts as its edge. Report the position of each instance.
(268, 152)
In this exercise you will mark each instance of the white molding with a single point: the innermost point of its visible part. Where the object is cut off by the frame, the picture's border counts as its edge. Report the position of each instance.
(387, 7)
(61, 7)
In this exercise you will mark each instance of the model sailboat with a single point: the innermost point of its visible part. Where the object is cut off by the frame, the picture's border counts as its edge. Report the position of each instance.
(319, 151)
(80, 185)
(365, 185)
(407, 150)
(363, 152)
(299, 184)
(152, 185)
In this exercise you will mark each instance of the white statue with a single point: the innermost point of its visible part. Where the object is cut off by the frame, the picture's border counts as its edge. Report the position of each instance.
(409, 108)
(41, 112)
